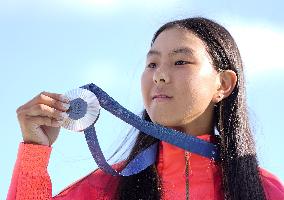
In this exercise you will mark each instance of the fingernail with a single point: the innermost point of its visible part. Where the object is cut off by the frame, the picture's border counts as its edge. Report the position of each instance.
(64, 115)
(64, 98)
(66, 105)
(58, 123)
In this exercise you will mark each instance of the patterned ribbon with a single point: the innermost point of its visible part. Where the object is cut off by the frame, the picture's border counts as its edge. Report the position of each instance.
(148, 156)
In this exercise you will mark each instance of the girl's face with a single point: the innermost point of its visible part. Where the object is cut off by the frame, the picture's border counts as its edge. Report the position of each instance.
(179, 67)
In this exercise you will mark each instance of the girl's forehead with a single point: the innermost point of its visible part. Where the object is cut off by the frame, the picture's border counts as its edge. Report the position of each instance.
(175, 38)
(177, 41)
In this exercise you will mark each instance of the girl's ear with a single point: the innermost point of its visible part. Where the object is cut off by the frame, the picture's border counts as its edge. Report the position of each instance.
(226, 82)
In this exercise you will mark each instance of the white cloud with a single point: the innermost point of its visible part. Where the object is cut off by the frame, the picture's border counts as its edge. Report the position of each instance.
(84, 7)
(101, 4)
(90, 6)
(261, 47)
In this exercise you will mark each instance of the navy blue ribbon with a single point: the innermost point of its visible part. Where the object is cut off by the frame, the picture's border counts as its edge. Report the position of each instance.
(148, 156)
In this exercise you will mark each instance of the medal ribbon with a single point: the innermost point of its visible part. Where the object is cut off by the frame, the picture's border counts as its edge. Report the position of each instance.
(148, 156)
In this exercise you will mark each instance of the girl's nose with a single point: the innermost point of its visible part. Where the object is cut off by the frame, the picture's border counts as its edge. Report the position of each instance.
(160, 76)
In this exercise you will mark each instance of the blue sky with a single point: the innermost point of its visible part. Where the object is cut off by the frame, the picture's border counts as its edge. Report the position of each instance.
(60, 45)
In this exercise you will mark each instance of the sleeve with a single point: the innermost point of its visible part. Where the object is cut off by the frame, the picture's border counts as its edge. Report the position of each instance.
(30, 179)
(273, 187)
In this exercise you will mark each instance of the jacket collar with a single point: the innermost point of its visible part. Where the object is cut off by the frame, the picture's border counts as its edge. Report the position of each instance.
(204, 174)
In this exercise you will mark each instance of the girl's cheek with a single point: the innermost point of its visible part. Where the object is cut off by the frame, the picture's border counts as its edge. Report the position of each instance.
(145, 77)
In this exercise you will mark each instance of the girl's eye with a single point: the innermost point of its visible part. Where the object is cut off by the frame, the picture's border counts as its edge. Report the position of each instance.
(181, 62)
(151, 65)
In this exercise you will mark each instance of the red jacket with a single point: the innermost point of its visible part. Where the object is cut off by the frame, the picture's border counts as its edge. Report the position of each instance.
(30, 178)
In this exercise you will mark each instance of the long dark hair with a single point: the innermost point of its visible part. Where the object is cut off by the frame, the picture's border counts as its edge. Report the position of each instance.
(240, 173)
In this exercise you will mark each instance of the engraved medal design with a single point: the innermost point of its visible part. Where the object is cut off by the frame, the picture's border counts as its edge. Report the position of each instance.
(84, 110)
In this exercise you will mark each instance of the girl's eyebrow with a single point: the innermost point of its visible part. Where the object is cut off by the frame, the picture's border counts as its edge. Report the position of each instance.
(180, 50)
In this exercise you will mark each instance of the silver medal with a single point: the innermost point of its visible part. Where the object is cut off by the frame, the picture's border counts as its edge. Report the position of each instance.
(84, 110)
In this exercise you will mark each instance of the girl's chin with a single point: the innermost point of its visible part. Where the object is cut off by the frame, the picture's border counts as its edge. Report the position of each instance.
(165, 122)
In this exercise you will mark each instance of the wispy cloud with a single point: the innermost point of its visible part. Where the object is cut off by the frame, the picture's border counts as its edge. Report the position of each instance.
(261, 47)
(83, 7)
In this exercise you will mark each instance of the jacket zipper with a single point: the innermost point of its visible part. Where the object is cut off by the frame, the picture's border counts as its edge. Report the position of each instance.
(186, 157)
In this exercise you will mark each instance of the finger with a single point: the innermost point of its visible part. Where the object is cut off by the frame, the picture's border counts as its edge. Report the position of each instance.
(45, 111)
(58, 97)
(39, 120)
(51, 100)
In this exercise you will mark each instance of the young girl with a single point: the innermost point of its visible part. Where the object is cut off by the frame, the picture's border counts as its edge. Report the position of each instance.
(193, 82)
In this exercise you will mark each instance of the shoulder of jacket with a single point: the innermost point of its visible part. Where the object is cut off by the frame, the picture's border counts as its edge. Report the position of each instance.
(273, 187)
